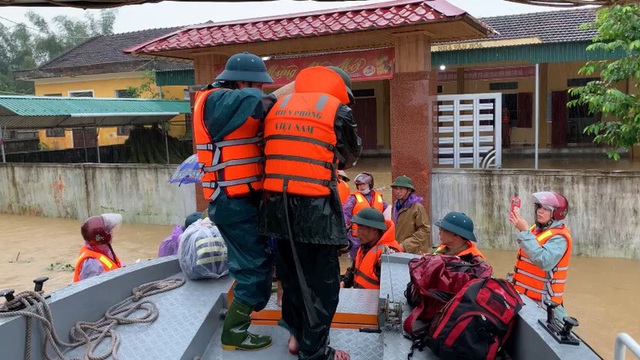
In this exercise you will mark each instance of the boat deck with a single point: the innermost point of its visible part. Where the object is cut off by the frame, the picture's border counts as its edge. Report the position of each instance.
(190, 320)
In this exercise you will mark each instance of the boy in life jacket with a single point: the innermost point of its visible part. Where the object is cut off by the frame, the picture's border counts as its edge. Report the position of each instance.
(363, 197)
(457, 238)
(376, 236)
(545, 250)
(96, 255)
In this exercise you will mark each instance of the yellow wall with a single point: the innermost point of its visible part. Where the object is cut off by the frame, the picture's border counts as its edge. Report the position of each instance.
(104, 88)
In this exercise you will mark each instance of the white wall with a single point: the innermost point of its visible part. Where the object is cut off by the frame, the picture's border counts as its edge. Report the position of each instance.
(140, 193)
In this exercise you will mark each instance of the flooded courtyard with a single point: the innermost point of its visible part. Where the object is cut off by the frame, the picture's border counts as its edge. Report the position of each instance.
(602, 293)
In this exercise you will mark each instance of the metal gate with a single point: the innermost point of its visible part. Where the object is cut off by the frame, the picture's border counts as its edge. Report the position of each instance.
(470, 130)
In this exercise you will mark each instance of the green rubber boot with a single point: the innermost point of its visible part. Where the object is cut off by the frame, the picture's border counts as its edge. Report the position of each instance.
(234, 330)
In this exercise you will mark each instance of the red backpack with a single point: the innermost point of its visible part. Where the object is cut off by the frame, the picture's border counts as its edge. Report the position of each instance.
(476, 323)
(435, 279)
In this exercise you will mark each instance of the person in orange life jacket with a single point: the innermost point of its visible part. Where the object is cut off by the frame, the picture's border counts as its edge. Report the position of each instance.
(343, 186)
(411, 220)
(363, 197)
(228, 120)
(457, 238)
(545, 250)
(96, 255)
(377, 236)
(302, 206)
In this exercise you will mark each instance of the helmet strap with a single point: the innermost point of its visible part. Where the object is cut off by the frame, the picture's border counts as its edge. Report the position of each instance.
(546, 225)
(115, 257)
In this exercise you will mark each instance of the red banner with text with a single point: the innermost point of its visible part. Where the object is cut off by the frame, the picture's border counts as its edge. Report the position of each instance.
(361, 65)
(513, 72)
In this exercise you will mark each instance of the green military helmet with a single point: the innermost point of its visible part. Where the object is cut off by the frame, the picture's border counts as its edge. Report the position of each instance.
(347, 81)
(193, 217)
(459, 224)
(370, 217)
(245, 67)
(403, 181)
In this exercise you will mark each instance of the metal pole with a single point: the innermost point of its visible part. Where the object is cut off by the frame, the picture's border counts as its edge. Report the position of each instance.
(97, 143)
(623, 340)
(4, 159)
(84, 145)
(537, 116)
(166, 140)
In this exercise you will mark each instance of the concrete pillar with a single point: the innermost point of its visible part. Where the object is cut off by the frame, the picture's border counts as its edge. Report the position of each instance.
(413, 112)
(204, 74)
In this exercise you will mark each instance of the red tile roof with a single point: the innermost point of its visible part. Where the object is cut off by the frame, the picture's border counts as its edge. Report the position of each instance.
(323, 22)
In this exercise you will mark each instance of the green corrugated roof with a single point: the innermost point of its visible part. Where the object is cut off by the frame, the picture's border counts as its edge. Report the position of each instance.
(533, 54)
(175, 77)
(39, 112)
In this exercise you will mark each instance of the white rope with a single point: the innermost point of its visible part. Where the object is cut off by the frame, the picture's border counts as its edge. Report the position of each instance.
(91, 334)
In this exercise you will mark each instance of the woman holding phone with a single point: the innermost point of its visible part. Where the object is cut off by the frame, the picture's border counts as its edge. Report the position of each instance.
(545, 249)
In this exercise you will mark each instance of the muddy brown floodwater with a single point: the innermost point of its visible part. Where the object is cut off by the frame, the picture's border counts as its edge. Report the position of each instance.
(602, 293)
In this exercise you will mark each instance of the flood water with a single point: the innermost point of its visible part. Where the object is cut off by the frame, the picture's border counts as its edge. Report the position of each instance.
(602, 293)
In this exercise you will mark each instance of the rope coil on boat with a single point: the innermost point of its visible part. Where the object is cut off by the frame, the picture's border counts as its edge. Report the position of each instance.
(87, 333)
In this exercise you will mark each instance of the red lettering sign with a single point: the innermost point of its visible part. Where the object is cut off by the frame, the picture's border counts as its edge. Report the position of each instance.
(361, 65)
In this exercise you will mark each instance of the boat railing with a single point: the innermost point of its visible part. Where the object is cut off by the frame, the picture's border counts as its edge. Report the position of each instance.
(625, 341)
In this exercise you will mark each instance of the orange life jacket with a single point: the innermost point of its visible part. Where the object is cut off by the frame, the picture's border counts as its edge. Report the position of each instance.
(471, 249)
(365, 276)
(86, 253)
(234, 163)
(343, 190)
(300, 155)
(536, 283)
(362, 203)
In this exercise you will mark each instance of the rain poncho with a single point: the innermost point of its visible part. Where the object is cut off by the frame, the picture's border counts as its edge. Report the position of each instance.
(169, 246)
(202, 253)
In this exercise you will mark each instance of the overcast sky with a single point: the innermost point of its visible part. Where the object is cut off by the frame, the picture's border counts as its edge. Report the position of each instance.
(169, 14)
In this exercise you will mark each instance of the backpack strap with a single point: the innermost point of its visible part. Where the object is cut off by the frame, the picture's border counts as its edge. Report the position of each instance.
(410, 321)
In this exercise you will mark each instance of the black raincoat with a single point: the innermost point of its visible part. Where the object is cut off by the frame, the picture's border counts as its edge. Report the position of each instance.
(315, 220)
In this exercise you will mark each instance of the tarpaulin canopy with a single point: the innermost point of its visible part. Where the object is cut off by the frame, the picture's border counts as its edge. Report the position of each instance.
(44, 112)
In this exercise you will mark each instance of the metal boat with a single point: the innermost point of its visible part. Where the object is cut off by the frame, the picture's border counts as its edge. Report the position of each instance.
(189, 320)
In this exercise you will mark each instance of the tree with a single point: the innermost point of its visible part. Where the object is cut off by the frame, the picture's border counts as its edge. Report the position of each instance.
(148, 89)
(618, 32)
(26, 46)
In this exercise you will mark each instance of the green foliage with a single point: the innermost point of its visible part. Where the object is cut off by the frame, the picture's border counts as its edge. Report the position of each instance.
(148, 89)
(26, 46)
(618, 31)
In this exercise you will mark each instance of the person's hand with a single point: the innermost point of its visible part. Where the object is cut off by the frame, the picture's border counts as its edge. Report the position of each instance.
(341, 284)
(517, 220)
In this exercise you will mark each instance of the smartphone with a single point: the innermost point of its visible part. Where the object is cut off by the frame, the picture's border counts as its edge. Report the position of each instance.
(515, 203)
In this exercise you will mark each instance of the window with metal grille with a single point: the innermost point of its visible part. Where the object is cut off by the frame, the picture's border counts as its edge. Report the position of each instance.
(125, 94)
(84, 93)
(57, 132)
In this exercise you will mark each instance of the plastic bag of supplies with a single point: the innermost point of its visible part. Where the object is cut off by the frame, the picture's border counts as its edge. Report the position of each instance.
(202, 253)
